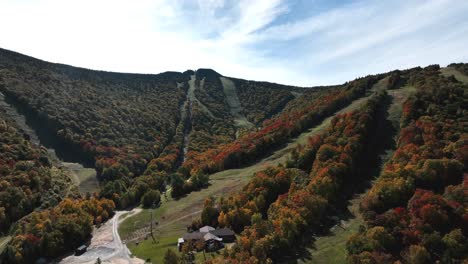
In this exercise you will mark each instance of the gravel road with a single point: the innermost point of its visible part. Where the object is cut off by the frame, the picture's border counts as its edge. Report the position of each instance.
(107, 245)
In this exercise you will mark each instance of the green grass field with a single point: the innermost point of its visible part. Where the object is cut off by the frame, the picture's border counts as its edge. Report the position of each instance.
(153, 252)
(140, 220)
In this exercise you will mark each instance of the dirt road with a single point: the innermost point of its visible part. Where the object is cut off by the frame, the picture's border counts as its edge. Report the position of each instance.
(107, 245)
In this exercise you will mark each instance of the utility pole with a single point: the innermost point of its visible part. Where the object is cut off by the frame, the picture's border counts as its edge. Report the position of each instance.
(151, 223)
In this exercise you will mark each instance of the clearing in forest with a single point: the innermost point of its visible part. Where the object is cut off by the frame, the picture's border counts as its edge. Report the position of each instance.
(232, 99)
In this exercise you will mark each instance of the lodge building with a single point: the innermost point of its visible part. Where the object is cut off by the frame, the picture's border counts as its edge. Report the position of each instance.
(214, 239)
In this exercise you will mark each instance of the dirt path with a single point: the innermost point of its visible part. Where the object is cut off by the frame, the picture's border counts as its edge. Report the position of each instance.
(232, 99)
(107, 245)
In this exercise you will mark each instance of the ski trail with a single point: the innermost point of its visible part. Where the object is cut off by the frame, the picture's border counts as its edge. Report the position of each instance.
(233, 101)
(88, 183)
(328, 248)
(193, 98)
(449, 71)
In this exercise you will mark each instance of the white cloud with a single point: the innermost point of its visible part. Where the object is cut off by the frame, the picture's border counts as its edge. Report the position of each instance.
(242, 38)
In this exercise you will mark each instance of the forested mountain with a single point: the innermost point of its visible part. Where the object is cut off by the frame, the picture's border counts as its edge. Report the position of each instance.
(415, 212)
(128, 125)
(170, 132)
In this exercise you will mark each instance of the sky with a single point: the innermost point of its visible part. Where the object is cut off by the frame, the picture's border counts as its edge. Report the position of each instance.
(302, 42)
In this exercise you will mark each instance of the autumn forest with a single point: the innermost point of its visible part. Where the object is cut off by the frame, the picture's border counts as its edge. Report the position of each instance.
(397, 141)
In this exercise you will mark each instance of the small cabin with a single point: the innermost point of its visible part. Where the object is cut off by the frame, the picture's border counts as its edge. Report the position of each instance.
(80, 250)
(214, 238)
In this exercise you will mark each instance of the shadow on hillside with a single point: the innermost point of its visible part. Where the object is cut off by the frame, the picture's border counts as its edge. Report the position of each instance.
(46, 132)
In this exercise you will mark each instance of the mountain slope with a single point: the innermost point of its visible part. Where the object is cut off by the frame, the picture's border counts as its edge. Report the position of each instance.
(144, 131)
(127, 125)
(415, 212)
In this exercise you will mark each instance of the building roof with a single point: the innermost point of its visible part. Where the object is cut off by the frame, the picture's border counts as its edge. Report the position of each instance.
(180, 240)
(223, 232)
(206, 229)
(215, 234)
(193, 236)
(209, 236)
(82, 247)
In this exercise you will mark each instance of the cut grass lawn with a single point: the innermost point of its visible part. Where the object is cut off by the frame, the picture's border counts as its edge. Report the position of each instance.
(175, 215)
(151, 251)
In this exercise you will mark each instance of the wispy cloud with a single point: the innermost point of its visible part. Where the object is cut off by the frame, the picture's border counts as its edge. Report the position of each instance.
(256, 39)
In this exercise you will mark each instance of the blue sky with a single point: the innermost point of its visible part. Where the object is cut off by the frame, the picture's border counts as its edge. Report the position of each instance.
(305, 43)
